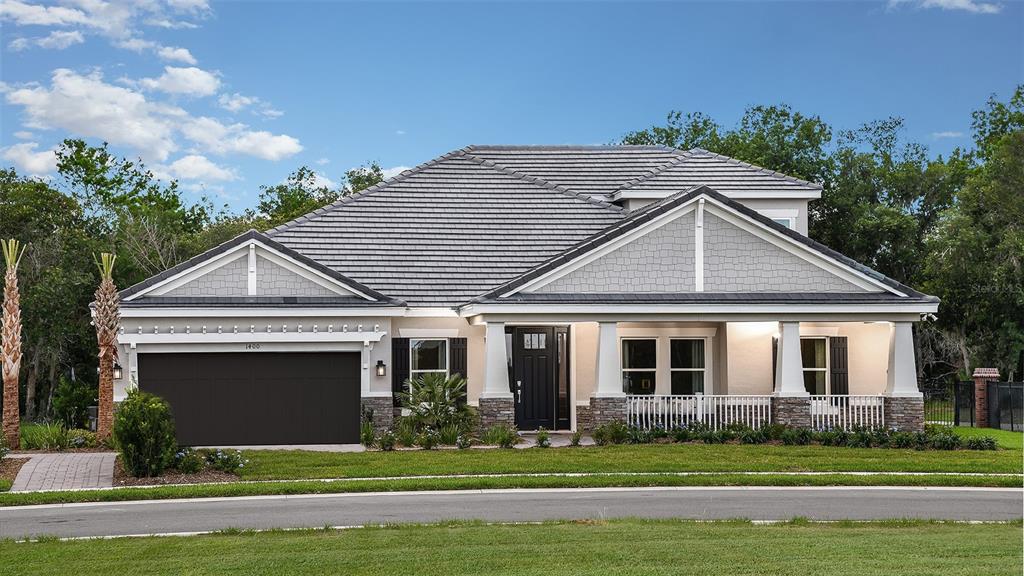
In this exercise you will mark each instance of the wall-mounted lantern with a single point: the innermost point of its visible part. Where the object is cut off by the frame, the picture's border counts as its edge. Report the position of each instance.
(117, 371)
(382, 370)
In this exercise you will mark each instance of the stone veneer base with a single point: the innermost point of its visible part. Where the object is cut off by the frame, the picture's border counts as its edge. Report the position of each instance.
(904, 413)
(496, 411)
(600, 412)
(383, 411)
(792, 411)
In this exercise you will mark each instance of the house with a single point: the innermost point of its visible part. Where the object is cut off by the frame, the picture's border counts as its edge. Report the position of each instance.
(571, 286)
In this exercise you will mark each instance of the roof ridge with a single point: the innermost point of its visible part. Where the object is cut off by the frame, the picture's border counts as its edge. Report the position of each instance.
(680, 157)
(538, 181)
(768, 171)
(471, 147)
(364, 192)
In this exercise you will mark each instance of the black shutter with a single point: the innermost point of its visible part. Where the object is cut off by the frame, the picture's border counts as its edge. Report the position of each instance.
(775, 360)
(399, 367)
(839, 371)
(457, 356)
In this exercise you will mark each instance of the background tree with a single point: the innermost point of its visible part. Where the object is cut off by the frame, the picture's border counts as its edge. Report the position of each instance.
(304, 191)
(107, 319)
(11, 346)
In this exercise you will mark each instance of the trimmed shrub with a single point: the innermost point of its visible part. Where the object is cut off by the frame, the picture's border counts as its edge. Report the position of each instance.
(921, 441)
(902, 440)
(945, 441)
(386, 441)
(71, 401)
(501, 435)
(682, 435)
(836, 437)
(611, 433)
(796, 437)
(880, 437)
(750, 436)
(981, 443)
(79, 438)
(860, 438)
(543, 438)
(449, 435)
(144, 431)
(574, 440)
(639, 436)
(773, 431)
(188, 461)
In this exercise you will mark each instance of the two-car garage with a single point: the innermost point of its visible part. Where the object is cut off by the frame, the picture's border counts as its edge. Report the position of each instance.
(257, 398)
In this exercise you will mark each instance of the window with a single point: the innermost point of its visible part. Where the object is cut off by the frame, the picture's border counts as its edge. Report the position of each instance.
(639, 364)
(428, 355)
(687, 365)
(787, 222)
(814, 354)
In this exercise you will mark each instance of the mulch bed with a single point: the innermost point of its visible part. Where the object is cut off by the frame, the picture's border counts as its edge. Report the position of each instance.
(9, 467)
(170, 476)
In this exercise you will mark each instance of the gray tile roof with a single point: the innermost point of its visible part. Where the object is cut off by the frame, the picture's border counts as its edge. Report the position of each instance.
(446, 231)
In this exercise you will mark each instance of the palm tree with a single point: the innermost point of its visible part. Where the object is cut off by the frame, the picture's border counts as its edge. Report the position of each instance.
(11, 351)
(107, 318)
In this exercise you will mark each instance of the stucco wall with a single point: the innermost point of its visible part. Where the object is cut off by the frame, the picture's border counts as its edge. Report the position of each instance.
(451, 328)
(659, 261)
(738, 261)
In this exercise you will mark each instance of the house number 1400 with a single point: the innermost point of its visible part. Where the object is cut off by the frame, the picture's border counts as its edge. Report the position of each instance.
(252, 346)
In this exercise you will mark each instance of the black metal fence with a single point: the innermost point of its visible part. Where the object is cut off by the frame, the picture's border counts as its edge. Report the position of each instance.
(1006, 405)
(940, 403)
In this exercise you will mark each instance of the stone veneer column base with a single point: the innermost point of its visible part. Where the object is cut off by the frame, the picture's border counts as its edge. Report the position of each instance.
(496, 411)
(904, 413)
(602, 410)
(383, 411)
(794, 411)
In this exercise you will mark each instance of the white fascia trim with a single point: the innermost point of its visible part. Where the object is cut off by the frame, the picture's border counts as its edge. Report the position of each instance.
(800, 250)
(797, 195)
(256, 337)
(615, 244)
(779, 212)
(267, 252)
(672, 332)
(427, 312)
(556, 309)
(268, 312)
(428, 332)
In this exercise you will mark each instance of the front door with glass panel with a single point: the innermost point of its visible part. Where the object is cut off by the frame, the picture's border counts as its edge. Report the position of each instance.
(540, 381)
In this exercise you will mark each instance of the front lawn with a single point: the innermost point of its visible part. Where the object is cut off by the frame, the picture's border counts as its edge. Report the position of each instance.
(611, 547)
(1005, 438)
(294, 464)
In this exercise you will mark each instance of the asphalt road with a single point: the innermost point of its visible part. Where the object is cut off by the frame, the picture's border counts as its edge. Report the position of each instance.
(197, 515)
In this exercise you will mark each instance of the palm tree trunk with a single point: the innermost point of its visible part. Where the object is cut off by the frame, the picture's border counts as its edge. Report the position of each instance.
(11, 349)
(107, 319)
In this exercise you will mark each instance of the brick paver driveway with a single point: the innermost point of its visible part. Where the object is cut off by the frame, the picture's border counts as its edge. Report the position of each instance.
(66, 471)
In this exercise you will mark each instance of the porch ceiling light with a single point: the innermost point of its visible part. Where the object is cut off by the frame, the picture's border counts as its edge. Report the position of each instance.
(382, 369)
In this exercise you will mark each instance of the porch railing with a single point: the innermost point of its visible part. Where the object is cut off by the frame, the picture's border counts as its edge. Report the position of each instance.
(668, 412)
(846, 412)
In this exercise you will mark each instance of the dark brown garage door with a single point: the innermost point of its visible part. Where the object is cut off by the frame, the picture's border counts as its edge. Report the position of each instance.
(230, 399)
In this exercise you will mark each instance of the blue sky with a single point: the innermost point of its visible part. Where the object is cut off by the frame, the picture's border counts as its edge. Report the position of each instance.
(228, 96)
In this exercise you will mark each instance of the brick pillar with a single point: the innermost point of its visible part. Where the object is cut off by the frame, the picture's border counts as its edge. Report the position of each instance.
(981, 377)
(605, 410)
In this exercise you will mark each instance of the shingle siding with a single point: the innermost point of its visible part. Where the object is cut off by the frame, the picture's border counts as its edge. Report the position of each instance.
(227, 280)
(273, 280)
(738, 261)
(660, 261)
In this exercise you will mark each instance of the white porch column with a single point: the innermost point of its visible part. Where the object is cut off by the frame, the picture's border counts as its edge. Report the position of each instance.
(902, 376)
(609, 362)
(789, 372)
(495, 362)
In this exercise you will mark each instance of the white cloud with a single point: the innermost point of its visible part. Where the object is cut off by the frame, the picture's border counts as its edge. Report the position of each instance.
(237, 102)
(400, 132)
(191, 81)
(136, 44)
(947, 134)
(395, 171)
(972, 6)
(25, 157)
(321, 180)
(24, 135)
(215, 137)
(56, 40)
(322, 161)
(24, 14)
(174, 54)
(86, 106)
(196, 167)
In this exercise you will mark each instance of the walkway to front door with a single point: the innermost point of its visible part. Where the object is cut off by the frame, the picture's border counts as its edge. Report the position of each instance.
(66, 471)
(540, 376)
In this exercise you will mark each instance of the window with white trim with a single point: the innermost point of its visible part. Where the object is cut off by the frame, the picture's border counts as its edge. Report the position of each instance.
(427, 355)
(814, 356)
(687, 363)
(787, 222)
(639, 365)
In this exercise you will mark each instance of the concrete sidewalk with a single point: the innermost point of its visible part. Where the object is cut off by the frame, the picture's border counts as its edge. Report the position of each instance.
(66, 471)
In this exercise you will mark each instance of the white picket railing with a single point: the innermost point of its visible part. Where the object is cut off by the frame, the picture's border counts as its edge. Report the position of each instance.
(668, 412)
(846, 412)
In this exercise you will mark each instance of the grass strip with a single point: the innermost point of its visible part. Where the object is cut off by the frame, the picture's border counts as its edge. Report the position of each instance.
(624, 547)
(484, 483)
